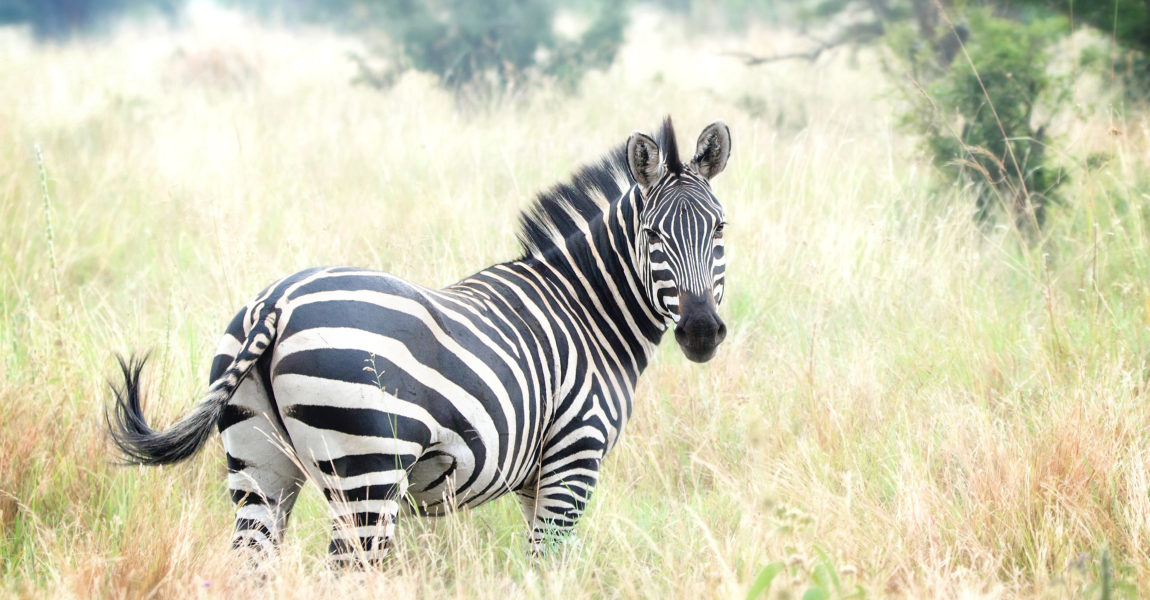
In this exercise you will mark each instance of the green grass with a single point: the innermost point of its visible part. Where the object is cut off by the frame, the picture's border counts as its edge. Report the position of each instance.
(907, 405)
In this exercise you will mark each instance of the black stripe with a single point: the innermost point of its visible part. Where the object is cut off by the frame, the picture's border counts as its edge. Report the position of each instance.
(246, 498)
(233, 414)
(359, 464)
(245, 524)
(357, 519)
(235, 465)
(368, 492)
(360, 421)
(341, 545)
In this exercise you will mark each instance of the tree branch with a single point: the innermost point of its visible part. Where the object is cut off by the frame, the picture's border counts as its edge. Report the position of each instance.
(855, 34)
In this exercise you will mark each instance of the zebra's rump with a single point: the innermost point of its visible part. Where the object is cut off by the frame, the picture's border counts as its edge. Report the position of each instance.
(368, 369)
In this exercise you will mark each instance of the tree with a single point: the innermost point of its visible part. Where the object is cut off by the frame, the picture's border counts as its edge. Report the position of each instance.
(977, 113)
(974, 75)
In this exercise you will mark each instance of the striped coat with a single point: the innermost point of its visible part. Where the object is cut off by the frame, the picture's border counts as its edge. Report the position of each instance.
(519, 378)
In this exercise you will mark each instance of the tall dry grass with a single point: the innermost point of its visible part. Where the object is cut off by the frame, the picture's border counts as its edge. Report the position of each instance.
(908, 405)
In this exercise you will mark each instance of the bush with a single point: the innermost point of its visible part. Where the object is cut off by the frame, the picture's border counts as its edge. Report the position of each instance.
(981, 118)
(484, 46)
(986, 125)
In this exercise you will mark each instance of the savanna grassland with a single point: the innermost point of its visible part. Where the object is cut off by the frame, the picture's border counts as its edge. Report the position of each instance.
(908, 404)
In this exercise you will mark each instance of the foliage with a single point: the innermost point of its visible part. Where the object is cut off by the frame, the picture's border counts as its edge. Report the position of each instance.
(980, 118)
(55, 19)
(1128, 21)
(986, 123)
(484, 46)
(1125, 22)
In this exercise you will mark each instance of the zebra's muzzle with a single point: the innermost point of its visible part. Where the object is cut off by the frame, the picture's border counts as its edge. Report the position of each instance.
(699, 330)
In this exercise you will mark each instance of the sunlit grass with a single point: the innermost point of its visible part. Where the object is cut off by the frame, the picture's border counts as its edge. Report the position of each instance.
(907, 404)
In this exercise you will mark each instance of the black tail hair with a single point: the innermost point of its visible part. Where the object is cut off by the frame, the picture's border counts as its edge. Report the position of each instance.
(142, 445)
(138, 442)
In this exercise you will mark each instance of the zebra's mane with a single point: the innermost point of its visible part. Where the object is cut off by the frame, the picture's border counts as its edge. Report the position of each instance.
(557, 212)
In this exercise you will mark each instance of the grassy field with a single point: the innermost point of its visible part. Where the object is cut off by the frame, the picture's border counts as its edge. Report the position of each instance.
(908, 404)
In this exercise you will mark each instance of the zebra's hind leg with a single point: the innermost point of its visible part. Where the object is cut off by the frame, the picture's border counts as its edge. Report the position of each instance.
(357, 444)
(263, 478)
(365, 503)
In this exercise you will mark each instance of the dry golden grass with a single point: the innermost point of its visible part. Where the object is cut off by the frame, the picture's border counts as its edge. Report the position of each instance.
(907, 406)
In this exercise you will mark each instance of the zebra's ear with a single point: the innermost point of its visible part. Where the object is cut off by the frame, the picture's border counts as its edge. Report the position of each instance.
(643, 159)
(713, 149)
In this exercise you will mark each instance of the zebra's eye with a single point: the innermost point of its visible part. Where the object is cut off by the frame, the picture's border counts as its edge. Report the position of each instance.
(653, 236)
(719, 229)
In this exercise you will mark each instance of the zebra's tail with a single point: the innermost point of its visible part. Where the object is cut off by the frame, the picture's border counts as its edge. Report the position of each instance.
(142, 445)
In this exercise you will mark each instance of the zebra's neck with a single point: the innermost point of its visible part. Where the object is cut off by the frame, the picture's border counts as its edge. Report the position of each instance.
(577, 307)
(596, 274)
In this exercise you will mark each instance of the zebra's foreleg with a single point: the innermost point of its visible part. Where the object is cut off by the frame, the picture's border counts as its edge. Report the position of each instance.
(555, 503)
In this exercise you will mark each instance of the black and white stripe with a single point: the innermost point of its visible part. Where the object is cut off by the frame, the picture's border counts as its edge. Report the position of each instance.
(518, 378)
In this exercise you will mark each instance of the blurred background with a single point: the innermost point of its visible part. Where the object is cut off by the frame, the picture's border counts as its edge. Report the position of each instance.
(937, 368)
(981, 84)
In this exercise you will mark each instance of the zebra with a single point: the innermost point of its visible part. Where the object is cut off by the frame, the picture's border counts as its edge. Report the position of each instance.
(520, 378)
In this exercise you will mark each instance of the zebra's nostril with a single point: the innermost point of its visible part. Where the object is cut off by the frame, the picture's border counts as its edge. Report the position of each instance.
(701, 327)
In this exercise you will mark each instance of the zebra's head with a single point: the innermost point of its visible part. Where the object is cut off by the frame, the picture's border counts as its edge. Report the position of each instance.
(680, 240)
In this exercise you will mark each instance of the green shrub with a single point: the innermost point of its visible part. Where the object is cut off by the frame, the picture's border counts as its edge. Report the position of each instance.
(983, 120)
(483, 46)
